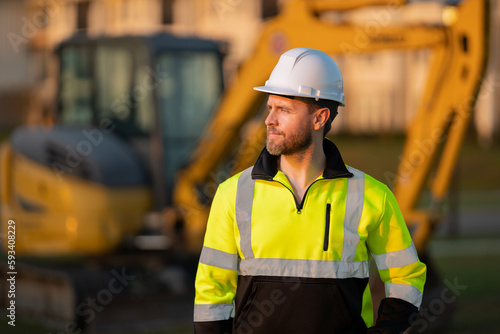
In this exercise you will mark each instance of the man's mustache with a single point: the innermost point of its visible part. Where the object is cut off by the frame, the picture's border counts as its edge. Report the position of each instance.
(273, 131)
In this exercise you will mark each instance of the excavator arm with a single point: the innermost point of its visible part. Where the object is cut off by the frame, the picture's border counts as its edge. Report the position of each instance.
(437, 132)
(458, 58)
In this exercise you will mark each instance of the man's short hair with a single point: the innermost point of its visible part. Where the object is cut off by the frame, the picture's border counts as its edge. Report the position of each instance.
(314, 105)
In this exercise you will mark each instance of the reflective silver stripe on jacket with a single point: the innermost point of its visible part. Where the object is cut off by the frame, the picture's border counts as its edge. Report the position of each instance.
(353, 208)
(404, 291)
(396, 259)
(243, 209)
(213, 312)
(353, 211)
(304, 268)
(219, 259)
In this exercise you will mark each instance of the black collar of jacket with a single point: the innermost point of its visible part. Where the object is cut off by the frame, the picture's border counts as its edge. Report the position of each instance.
(266, 166)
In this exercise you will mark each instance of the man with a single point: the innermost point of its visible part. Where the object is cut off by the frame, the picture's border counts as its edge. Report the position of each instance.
(289, 240)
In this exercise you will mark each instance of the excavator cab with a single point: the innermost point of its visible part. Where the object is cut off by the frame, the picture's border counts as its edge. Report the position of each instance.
(130, 112)
(161, 88)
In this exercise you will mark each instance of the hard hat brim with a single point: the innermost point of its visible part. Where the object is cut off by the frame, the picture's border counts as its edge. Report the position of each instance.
(291, 92)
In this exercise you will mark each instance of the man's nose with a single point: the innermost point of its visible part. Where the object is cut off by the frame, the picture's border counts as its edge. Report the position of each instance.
(271, 119)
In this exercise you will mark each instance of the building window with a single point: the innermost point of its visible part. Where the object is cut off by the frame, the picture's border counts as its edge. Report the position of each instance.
(167, 11)
(82, 15)
(269, 8)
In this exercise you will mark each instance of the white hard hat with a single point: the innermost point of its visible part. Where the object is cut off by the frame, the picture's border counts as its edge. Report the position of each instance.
(308, 73)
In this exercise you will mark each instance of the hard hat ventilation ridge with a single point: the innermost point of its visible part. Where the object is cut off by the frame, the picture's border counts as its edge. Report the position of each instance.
(302, 56)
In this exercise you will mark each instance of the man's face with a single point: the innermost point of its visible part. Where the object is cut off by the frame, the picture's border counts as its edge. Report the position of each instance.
(289, 126)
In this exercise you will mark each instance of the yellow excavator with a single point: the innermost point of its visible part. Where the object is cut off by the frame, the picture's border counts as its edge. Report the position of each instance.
(130, 112)
(84, 190)
(434, 138)
(144, 174)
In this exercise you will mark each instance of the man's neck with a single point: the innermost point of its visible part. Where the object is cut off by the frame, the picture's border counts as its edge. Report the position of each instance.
(303, 168)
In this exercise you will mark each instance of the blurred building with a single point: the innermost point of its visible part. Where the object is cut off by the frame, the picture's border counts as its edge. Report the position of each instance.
(382, 89)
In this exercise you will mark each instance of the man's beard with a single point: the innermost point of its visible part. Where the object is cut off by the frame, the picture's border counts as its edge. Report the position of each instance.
(289, 145)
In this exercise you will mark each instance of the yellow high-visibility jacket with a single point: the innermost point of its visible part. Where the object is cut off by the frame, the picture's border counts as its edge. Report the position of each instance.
(272, 265)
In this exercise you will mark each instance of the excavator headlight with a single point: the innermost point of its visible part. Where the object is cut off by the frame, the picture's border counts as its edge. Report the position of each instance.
(450, 15)
(71, 227)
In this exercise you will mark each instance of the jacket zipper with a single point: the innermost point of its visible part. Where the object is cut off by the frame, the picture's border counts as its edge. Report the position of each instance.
(300, 205)
(327, 226)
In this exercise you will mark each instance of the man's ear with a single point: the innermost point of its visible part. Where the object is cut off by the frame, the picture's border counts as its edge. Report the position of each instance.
(321, 117)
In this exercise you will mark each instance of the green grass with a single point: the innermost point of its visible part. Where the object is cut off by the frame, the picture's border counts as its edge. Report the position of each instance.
(4, 134)
(184, 330)
(24, 326)
(478, 306)
(379, 156)
(376, 156)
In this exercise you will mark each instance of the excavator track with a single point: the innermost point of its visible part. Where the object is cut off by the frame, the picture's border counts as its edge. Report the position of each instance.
(126, 297)
(50, 295)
